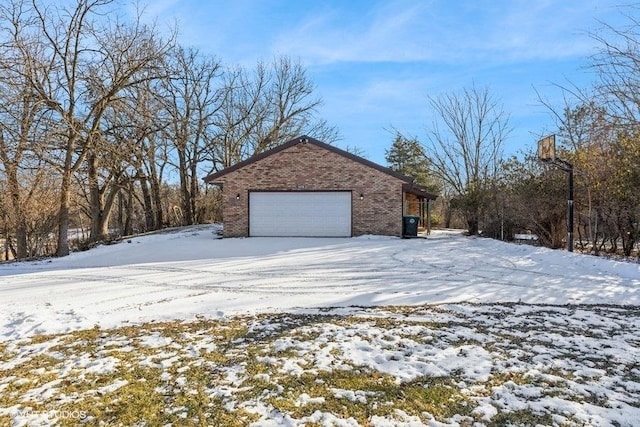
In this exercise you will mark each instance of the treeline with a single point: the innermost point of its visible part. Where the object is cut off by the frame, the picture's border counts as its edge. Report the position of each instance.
(605, 154)
(597, 131)
(107, 124)
(499, 197)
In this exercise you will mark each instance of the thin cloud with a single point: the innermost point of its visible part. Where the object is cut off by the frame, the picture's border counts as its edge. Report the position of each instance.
(375, 36)
(374, 62)
(544, 29)
(159, 7)
(434, 31)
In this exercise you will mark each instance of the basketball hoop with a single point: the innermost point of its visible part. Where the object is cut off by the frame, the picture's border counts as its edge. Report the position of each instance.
(547, 148)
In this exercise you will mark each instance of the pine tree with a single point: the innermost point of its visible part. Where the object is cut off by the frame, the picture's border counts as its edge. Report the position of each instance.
(408, 157)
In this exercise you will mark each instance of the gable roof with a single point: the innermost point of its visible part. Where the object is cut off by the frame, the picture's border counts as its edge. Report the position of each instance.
(409, 185)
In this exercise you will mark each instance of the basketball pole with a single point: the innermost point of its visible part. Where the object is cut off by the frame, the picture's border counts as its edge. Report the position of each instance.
(547, 153)
(568, 167)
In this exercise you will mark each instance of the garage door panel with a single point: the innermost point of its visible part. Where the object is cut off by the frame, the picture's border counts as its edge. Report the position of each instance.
(322, 214)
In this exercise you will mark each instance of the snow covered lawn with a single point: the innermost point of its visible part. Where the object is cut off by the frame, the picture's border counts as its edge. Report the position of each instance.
(460, 364)
(376, 331)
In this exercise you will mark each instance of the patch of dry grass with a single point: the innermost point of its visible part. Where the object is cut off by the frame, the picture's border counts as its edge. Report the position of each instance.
(231, 372)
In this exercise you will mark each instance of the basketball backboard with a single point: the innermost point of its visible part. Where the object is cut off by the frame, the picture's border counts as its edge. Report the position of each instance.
(547, 148)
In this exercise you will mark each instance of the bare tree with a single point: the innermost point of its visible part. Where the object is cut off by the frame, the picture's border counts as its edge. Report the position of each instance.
(93, 60)
(24, 120)
(104, 107)
(143, 120)
(264, 108)
(191, 99)
(599, 132)
(617, 67)
(288, 106)
(234, 120)
(465, 146)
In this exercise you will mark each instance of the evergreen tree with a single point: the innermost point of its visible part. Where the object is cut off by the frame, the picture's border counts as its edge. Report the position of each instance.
(408, 157)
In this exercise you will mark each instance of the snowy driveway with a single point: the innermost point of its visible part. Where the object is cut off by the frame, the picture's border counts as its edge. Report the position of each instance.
(190, 273)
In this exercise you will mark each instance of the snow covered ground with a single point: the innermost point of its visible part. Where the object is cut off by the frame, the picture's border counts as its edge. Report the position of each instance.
(182, 274)
(326, 331)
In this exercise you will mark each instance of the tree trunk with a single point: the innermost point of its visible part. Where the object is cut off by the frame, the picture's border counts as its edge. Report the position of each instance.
(22, 250)
(128, 225)
(472, 224)
(195, 191)
(101, 206)
(120, 213)
(187, 214)
(157, 202)
(63, 217)
(154, 182)
(99, 217)
(149, 218)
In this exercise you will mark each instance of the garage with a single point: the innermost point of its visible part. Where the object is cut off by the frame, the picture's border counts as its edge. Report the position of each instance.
(305, 187)
(300, 213)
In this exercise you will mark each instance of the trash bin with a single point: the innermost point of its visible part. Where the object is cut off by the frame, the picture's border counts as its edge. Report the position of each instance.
(410, 225)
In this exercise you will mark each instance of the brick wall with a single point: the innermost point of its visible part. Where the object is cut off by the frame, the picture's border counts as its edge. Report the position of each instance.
(411, 204)
(307, 167)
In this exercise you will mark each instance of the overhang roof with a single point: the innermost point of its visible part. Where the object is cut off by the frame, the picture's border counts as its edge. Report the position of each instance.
(418, 190)
(409, 186)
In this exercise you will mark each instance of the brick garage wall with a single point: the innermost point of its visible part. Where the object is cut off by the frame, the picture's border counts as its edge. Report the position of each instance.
(411, 204)
(307, 167)
(412, 207)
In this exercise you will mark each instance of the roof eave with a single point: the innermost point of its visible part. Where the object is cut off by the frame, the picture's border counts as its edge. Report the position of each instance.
(419, 191)
(305, 139)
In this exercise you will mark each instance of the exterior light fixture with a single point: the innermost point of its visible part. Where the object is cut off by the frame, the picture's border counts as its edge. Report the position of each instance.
(238, 196)
(361, 196)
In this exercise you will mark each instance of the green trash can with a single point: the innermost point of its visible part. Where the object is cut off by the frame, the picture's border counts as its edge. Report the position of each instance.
(410, 225)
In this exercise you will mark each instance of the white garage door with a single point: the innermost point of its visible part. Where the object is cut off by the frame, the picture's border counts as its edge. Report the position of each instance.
(294, 213)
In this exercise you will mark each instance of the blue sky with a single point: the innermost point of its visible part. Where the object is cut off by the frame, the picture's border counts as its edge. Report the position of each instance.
(374, 63)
